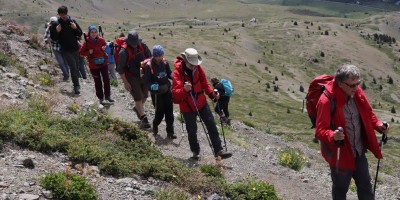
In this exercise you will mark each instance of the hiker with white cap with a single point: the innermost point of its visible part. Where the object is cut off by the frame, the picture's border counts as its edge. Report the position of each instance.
(56, 49)
(189, 87)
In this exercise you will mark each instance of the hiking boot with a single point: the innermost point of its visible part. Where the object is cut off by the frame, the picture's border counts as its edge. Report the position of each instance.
(76, 90)
(171, 136)
(110, 100)
(65, 78)
(224, 155)
(101, 101)
(155, 130)
(196, 156)
(144, 123)
(136, 111)
(228, 121)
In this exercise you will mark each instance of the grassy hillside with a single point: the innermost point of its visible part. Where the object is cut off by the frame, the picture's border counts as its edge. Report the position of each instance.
(272, 51)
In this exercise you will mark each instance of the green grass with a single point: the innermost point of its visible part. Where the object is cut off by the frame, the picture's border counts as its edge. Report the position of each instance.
(119, 149)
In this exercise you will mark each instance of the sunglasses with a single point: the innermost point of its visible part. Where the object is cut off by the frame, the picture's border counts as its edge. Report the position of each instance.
(353, 85)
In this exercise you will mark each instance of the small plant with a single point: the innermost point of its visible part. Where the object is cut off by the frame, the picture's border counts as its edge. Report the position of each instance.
(251, 190)
(292, 158)
(40, 102)
(114, 83)
(249, 123)
(393, 110)
(68, 187)
(46, 79)
(73, 107)
(34, 41)
(211, 170)
(170, 194)
(4, 60)
(301, 88)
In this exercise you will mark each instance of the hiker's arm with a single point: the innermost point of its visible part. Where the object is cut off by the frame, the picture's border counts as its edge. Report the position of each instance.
(147, 52)
(78, 30)
(84, 51)
(147, 76)
(177, 87)
(220, 88)
(54, 35)
(205, 84)
(168, 70)
(46, 37)
(323, 130)
(122, 57)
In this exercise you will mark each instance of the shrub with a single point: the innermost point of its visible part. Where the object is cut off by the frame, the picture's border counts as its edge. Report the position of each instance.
(170, 194)
(4, 60)
(73, 107)
(114, 83)
(46, 79)
(251, 190)
(211, 170)
(68, 187)
(292, 158)
(249, 123)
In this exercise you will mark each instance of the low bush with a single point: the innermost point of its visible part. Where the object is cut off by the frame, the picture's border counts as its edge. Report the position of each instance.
(68, 187)
(251, 190)
(292, 158)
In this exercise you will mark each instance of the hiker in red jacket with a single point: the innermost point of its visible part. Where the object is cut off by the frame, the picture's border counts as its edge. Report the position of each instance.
(354, 114)
(188, 88)
(94, 49)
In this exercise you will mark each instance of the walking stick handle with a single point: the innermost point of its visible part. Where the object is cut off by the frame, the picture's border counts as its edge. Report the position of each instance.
(384, 136)
(341, 142)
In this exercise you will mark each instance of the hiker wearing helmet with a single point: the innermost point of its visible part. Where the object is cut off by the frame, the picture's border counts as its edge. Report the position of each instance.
(354, 123)
(67, 31)
(56, 49)
(94, 48)
(157, 73)
(132, 52)
(189, 88)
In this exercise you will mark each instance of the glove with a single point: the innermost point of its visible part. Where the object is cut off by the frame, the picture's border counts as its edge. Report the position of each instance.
(154, 87)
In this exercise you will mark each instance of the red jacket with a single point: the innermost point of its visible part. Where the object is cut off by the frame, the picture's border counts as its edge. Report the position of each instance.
(97, 52)
(324, 133)
(200, 86)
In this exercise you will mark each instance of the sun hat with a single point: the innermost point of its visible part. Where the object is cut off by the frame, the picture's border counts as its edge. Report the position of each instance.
(53, 19)
(192, 56)
(132, 39)
(158, 50)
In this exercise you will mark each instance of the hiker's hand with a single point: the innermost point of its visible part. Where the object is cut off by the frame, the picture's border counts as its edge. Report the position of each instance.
(383, 129)
(187, 87)
(103, 48)
(90, 51)
(337, 135)
(73, 26)
(58, 28)
(216, 95)
(128, 87)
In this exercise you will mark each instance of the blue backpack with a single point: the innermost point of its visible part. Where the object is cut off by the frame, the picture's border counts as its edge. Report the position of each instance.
(227, 87)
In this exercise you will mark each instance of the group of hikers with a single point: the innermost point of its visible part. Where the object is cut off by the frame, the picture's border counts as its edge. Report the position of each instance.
(141, 70)
(344, 134)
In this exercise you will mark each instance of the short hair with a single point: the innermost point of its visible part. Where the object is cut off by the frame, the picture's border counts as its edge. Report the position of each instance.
(345, 72)
(62, 10)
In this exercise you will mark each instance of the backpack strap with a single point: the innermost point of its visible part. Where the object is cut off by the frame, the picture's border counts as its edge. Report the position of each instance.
(332, 110)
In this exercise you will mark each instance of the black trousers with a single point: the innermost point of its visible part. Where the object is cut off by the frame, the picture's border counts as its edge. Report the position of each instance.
(191, 127)
(163, 107)
(221, 106)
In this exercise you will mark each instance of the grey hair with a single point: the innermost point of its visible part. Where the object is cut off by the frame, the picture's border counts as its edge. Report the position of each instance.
(346, 72)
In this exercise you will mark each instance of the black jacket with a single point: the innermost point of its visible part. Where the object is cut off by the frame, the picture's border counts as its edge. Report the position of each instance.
(67, 37)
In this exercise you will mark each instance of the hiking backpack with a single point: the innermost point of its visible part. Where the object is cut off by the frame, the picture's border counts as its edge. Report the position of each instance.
(315, 90)
(227, 87)
(120, 43)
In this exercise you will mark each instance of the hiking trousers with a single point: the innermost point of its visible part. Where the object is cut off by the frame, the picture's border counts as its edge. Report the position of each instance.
(82, 68)
(100, 77)
(341, 181)
(63, 65)
(72, 60)
(191, 127)
(163, 107)
(221, 107)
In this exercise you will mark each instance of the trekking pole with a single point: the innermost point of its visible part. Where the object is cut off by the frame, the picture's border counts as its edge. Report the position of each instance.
(183, 130)
(220, 120)
(383, 141)
(202, 123)
(338, 151)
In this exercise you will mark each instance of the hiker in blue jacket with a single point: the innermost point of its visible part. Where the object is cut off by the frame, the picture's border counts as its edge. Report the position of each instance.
(156, 77)
(222, 104)
(111, 60)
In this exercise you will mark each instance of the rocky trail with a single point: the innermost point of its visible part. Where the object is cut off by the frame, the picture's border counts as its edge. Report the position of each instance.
(255, 153)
